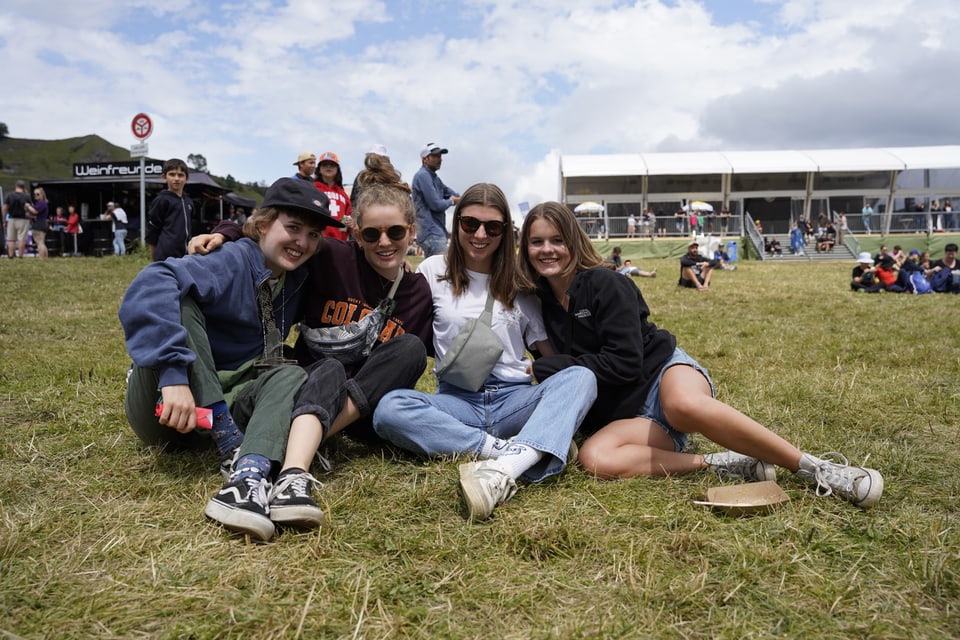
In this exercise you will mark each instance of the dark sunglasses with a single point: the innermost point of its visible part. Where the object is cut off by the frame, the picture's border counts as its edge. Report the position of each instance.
(469, 224)
(396, 232)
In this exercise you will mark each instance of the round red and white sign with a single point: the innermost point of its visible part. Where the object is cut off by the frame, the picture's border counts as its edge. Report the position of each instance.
(141, 126)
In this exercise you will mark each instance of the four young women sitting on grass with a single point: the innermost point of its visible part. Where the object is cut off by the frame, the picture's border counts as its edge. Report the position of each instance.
(602, 367)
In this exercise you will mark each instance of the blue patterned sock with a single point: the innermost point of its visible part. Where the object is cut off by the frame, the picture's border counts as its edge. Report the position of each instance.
(250, 465)
(225, 431)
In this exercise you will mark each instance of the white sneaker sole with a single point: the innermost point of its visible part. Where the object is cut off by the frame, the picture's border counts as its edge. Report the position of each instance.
(240, 520)
(298, 515)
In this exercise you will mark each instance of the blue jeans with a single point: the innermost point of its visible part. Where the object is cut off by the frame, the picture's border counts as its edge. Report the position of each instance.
(119, 237)
(453, 421)
(432, 245)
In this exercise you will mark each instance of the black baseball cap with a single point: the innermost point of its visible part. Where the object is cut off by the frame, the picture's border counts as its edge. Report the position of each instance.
(302, 197)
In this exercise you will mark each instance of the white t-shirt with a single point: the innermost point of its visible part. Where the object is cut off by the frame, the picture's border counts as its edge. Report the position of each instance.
(517, 328)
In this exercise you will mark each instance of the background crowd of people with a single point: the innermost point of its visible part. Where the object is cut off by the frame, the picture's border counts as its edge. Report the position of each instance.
(913, 271)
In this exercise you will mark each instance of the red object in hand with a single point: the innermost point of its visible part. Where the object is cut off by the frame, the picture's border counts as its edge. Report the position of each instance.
(204, 416)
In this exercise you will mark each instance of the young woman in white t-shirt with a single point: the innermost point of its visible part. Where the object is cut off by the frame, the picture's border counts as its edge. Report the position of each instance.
(513, 427)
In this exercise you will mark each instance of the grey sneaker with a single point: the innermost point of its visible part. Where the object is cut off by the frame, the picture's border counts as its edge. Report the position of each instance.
(730, 464)
(860, 485)
(291, 501)
(484, 485)
(241, 505)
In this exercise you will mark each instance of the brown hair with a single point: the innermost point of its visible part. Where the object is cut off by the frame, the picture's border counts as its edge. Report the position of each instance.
(506, 280)
(175, 163)
(377, 170)
(582, 254)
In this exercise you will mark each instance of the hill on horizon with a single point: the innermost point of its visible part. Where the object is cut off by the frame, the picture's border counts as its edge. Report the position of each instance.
(31, 160)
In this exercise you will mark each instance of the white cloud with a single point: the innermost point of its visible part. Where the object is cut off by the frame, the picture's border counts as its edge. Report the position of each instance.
(506, 85)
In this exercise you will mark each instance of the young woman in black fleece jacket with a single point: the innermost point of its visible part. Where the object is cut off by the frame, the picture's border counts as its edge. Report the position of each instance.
(651, 394)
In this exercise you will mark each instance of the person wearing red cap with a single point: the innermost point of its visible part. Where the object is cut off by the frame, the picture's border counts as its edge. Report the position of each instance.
(329, 180)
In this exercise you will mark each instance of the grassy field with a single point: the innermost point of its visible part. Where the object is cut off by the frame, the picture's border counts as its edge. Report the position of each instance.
(100, 538)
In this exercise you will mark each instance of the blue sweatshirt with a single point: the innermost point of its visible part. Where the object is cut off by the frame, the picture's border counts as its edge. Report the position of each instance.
(224, 284)
(431, 199)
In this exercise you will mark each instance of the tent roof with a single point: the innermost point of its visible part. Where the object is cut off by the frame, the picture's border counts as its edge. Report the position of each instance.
(770, 161)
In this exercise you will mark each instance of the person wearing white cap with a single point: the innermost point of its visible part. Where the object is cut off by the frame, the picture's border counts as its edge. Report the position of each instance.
(306, 165)
(864, 275)
(432, 198)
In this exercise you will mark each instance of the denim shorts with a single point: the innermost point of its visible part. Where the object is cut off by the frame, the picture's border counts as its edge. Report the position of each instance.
(653, 410)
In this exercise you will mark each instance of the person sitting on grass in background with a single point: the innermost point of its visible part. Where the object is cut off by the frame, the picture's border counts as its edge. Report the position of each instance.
(170, 219)
(886, 272)
(346, 281)
(629, 270)
(948, 264)
(650, 393)
(514, 427)
(864, 275)
(695, 270)
(616, 258)
(722, 259)
(207, 331)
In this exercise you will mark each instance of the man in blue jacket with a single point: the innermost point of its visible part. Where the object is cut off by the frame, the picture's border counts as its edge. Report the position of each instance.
(207, 331)
(432, 198)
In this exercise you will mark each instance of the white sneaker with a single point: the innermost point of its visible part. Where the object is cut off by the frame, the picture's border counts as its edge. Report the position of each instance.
(730, 464)
(860, 485)
(484, 485)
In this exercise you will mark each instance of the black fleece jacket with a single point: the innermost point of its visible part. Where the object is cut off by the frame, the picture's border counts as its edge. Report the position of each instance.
(606, 330)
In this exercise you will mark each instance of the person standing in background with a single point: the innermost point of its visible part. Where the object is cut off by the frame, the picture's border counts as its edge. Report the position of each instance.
(306, 165)
(41, 221)
(17, 206)
(119, 218)
(329, 180)
(432, 198)
(171, 214)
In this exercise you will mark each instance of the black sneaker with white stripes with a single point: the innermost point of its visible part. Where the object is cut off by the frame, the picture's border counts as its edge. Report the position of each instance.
(242, 505)
(291, 502)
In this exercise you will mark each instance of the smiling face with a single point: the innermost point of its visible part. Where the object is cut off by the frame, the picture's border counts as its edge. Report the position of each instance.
(287, 242)
(478, 247)
(546, 249)
(384, 255)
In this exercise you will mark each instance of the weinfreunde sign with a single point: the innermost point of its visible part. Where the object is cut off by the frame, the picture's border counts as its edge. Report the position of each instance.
(116, 169)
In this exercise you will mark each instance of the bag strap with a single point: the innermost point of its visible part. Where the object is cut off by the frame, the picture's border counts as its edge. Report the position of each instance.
(396, 283)
(487, 316)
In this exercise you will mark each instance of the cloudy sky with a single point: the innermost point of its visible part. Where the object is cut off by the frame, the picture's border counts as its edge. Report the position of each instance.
(506, 85)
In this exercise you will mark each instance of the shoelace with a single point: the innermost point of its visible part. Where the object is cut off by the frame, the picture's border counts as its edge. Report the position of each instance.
(257, 485)
(832, 468)
(300, 483)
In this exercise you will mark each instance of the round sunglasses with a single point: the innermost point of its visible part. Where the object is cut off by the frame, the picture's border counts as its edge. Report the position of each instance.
(469, 224)
(395, 232)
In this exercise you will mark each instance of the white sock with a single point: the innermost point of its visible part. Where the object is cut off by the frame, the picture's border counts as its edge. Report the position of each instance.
(493, 447)
(518, 458)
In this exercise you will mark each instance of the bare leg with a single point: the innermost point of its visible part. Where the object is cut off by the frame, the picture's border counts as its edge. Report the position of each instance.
(634, 447)
(306, 434)
(689, 407)
(639, 446)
